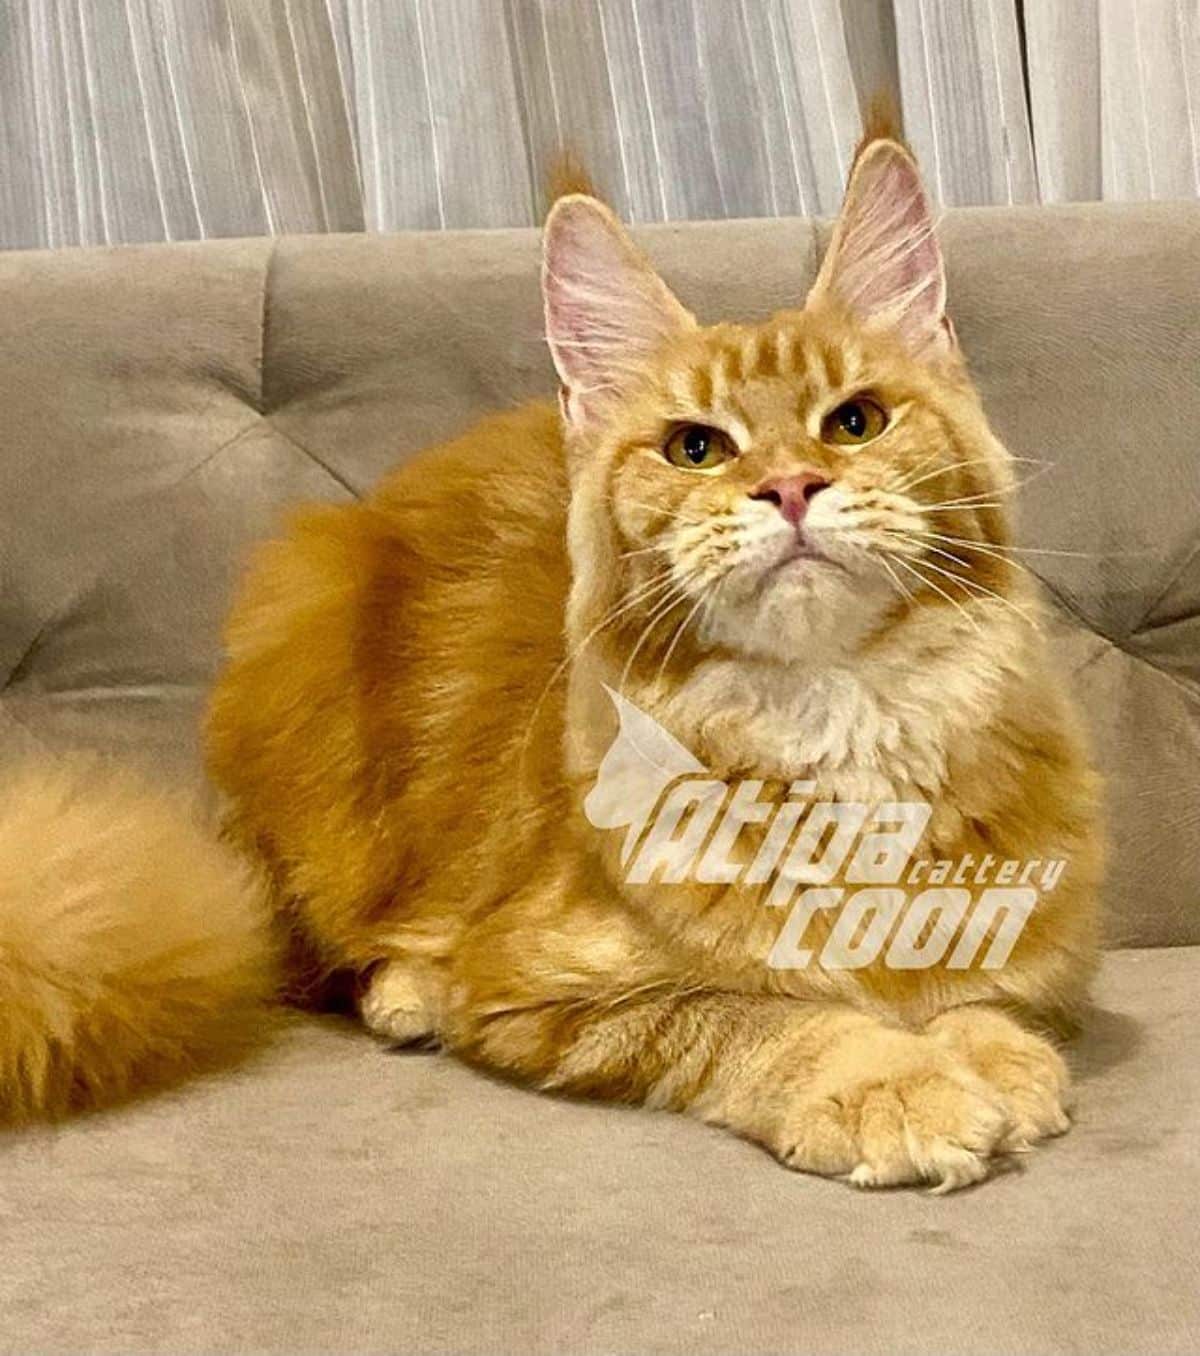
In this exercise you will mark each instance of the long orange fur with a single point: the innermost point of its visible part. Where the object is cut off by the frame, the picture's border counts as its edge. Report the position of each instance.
(134, 948)
(412, 710)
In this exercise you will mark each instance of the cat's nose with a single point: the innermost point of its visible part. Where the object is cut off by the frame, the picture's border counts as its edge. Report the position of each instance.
(792, 494)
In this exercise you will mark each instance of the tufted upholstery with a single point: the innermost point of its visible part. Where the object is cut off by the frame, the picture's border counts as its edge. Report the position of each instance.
(160, 405)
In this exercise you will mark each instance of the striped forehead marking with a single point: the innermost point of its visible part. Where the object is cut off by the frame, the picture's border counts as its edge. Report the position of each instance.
(820, 367)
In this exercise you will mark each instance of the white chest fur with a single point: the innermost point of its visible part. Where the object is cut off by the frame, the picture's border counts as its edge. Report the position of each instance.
(873, 728)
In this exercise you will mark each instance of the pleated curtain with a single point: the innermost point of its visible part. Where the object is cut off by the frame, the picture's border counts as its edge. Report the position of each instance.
(138, 120)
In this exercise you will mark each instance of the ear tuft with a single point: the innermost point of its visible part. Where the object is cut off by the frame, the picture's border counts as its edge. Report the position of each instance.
(607, 311)
(567, 176)
(881, 121)
(884, 264)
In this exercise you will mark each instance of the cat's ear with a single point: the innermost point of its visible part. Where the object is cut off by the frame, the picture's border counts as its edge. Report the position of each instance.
(607, 311)
(883, 263)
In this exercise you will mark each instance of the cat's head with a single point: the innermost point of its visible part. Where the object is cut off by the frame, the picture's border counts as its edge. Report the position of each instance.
(785, 489)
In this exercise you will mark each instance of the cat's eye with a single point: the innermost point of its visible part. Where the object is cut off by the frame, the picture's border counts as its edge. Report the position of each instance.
(854, 422)
(696, 447)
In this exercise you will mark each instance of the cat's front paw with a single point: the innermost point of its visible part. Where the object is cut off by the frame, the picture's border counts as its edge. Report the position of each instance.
(899, 1111)
(1024, 1069)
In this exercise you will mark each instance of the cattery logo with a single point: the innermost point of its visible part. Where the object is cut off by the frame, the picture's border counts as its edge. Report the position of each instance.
(681, 824)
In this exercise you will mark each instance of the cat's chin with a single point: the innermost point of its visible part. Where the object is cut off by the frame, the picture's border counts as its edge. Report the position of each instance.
(802, 576)
(811, 609)
(801, 557)
(805, 571)
(790, 561)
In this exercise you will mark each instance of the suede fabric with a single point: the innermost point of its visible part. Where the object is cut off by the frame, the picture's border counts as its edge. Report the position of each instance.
(161, 406)
(336, 1197)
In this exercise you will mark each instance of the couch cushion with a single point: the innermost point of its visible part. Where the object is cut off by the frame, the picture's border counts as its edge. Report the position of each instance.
(339, 1197)
(162, 404)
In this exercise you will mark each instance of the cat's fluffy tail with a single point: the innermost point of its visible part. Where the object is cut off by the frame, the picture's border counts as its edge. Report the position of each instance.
(134, 947)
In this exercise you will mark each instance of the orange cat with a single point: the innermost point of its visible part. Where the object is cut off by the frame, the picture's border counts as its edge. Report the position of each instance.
(763, 567)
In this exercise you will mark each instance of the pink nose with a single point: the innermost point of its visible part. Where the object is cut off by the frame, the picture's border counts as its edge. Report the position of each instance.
(792, 494)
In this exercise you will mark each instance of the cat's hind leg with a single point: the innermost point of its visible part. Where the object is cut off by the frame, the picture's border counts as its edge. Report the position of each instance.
(398, 1003)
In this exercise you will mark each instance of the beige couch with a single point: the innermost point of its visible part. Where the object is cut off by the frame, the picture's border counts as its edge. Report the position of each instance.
(159, 406)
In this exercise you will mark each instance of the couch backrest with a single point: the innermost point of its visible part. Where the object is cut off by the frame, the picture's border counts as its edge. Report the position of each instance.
(159, 406)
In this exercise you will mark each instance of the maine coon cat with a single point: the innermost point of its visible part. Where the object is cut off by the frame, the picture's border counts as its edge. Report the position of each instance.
(787, 544)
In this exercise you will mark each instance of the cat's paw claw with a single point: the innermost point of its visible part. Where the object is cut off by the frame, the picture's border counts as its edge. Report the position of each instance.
(932, 1122)
(1025, 1070)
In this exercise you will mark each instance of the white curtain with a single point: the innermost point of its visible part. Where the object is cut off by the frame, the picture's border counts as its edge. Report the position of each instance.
(132, 120)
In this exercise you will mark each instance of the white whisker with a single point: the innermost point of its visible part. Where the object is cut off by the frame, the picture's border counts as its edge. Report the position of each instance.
(679, 630)
(958, 560)
(955, 504)
(916, 470)
(909, 485)
(906, 593)
(929, 583)
(984, 494)
(643, 593)
(661, 609)
(997, 548)
(981, 589)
